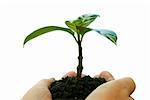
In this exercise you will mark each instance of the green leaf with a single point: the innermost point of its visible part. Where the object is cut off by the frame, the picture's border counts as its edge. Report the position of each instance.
(77, 29)
(77, 22)
(83, 30)
(108, 34)
(79, 25)
(85, 20)
(71, 25)
(44, 30)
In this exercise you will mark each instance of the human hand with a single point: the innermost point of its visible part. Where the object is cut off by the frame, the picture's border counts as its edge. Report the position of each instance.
(39, 91)
(120, 89)
(114, 89)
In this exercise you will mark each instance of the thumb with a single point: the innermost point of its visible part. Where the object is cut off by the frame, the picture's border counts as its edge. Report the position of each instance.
(113, 90)
(45, 82)
(127, 84)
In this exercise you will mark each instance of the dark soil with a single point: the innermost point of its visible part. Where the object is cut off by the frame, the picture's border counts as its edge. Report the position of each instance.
(70, 88)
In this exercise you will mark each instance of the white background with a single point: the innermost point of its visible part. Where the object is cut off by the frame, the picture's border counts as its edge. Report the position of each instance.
(54, 54)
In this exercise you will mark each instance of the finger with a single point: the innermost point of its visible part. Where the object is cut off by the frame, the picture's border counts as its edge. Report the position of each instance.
(72, 74)
(45, 82)
(106, 75)
(126, 84)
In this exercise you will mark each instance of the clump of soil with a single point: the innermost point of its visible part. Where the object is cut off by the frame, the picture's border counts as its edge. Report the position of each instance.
(71, 88)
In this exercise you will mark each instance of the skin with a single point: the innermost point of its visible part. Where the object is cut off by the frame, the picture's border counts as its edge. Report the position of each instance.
(120, 89)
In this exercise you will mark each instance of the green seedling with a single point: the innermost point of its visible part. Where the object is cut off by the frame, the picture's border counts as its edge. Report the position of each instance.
(77, 29)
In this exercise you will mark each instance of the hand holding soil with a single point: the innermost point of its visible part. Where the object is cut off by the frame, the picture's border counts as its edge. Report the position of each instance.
(75, 87)
(113, 90)
(120, 89)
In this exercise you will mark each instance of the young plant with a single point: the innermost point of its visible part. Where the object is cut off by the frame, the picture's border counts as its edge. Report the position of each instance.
(77, 28)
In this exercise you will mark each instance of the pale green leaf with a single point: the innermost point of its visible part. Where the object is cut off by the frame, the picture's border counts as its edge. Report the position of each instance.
(108, 34)
(85, 20)
(71, 25)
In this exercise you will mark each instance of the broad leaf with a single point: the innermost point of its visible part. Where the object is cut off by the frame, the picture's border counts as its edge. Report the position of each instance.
(71, 25)
(79, 25)
(44, 30)
(108, 34)
(85, 20)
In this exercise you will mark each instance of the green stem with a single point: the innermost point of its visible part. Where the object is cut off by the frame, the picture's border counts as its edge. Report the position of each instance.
(80, 66)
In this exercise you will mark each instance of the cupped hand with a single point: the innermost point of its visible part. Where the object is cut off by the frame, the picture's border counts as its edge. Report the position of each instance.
(113, 90)
(120, 89)
(39, 91)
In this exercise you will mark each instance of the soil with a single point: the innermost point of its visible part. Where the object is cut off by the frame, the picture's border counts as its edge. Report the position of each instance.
(71, 88)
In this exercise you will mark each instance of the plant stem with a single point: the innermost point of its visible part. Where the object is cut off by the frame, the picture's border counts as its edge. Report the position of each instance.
(80, 66)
